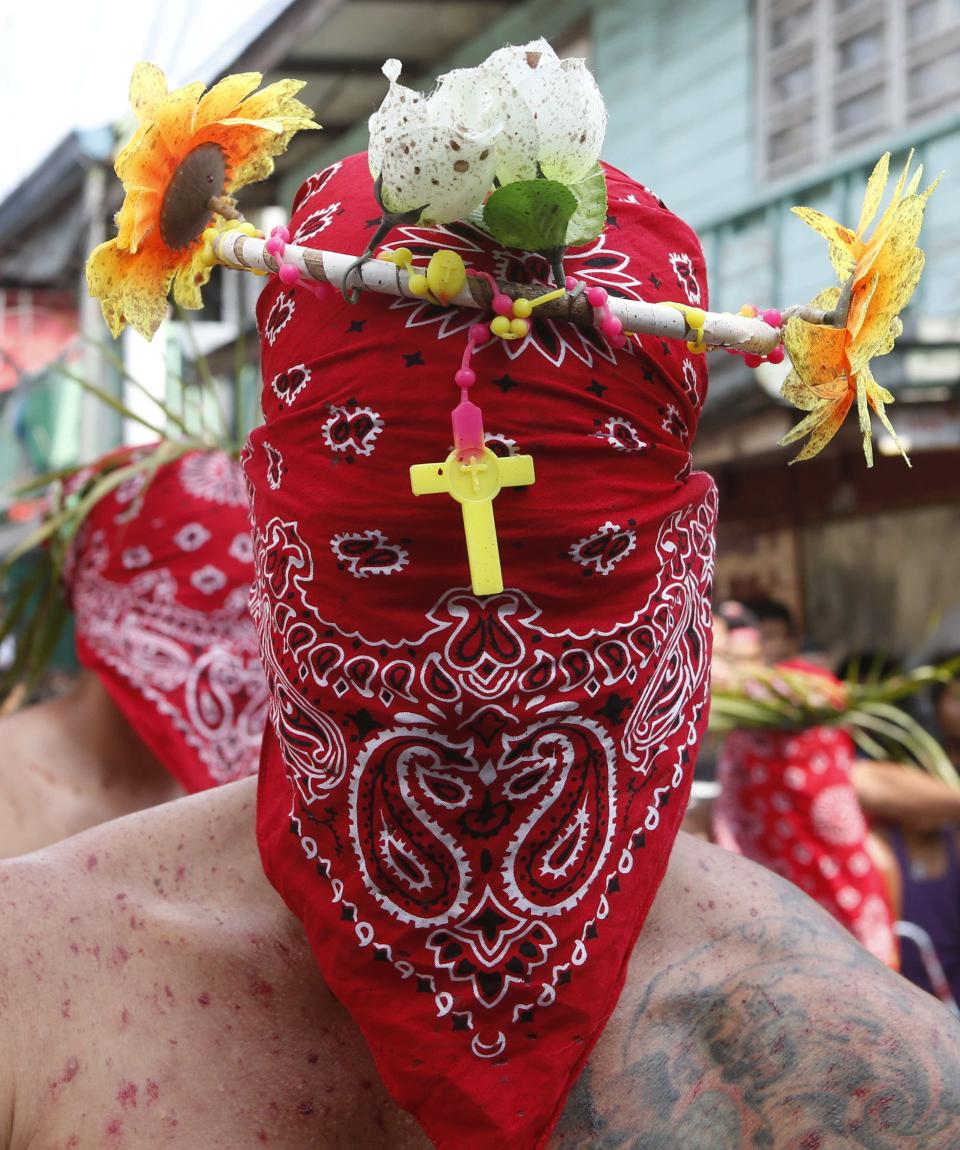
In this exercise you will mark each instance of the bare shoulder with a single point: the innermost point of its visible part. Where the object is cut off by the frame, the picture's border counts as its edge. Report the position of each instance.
(764, 1024)
(106, 940)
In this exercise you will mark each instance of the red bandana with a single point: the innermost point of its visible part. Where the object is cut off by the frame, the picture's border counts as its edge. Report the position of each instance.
(787, 801)
(159, 580)
(470, 802)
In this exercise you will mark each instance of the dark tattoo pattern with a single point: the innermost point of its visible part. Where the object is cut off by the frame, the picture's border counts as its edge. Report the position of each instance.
(811, 1044)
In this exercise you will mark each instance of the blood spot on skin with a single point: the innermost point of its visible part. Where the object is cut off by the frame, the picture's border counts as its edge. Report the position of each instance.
(754, 912)
(204, 999)
(127, 1095)
(812, 1141)
(70, 1070)
(313, 1058)
(65, 1008)
(262, 1136)
(74, 948)
(305, 1108)
(91, 862)
(124, 1019)
(152, 1091)
(260, 988)
(115, 1128)
(71, 1143)
(179, 873)
(119, 956)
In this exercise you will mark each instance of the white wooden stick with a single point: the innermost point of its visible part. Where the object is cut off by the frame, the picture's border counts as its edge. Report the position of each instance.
(721, 329)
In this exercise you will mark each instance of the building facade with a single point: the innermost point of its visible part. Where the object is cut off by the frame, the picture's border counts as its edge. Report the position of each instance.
(734, 111)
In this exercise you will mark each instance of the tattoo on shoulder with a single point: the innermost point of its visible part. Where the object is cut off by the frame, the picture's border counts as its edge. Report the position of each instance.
(811, 1045)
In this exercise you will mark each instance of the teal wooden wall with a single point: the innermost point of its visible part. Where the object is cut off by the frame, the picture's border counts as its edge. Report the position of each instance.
(677, 80)
(678, 77)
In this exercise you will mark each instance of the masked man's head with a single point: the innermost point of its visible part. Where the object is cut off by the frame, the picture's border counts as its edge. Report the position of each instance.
(159, 579)
(470, 800)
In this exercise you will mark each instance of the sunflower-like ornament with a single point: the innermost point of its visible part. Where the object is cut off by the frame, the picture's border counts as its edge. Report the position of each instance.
(831, 364)
(191, 151)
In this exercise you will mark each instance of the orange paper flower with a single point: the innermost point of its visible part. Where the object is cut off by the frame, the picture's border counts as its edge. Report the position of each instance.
(190, 149)
(831, 365)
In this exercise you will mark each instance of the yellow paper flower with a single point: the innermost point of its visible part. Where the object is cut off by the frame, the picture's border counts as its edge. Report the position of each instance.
(190, 150)
(831, 366)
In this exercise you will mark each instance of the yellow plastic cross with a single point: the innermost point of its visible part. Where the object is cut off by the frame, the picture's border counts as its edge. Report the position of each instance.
(474, 486)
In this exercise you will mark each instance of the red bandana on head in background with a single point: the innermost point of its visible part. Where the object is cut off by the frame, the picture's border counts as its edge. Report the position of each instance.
(159, 581)
(787, 801)
(470, 802)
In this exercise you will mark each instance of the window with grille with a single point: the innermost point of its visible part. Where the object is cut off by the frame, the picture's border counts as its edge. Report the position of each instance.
(836, 73)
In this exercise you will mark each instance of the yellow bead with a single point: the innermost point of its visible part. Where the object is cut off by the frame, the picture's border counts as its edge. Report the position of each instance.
(519, 328)
(207, 258)
(402, 257)
(522, 308)
(501, 326)
(248, 229)
(210, 234)
(446, 275)
(417, 284)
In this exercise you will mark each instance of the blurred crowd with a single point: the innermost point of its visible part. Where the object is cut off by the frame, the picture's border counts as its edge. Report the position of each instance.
(875, 842)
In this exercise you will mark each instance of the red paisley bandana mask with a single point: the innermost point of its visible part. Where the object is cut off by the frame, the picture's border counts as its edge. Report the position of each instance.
(160, 580)
(787, 801)
(470, 802)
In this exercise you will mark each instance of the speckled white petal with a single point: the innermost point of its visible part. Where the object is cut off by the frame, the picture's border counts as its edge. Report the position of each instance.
(402, 110)
(463, 99)
(572, 120)
(519, 143)
(442, 170)
(523, 66)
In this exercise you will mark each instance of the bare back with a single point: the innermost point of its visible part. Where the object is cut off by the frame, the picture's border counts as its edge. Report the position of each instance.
(155, 992)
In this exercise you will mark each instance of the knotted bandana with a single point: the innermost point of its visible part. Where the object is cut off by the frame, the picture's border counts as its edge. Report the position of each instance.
(470, 802)
(787, 801)
(159, 579)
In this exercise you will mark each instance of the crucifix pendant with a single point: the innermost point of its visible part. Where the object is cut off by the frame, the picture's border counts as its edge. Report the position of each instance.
(475, 484)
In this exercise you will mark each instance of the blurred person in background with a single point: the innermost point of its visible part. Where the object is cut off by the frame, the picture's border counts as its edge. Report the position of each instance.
(171, 696)
(787, 801)
(919, 816)
(737, 643)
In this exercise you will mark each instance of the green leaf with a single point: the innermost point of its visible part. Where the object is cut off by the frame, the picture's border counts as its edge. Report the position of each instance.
(588, 220)
(530, 214)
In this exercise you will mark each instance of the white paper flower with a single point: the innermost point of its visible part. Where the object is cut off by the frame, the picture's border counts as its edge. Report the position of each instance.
(552, 111)
(434, 153)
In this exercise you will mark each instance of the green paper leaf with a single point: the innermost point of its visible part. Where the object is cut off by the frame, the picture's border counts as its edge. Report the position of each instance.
(531, 215)
(591, 214)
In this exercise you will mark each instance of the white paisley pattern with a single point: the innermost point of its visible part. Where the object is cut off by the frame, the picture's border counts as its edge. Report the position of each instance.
(485, 734)
(216, 700)
(215, 477)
